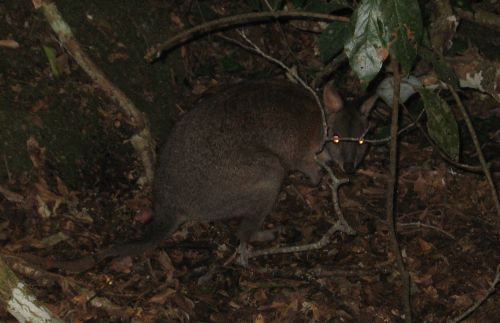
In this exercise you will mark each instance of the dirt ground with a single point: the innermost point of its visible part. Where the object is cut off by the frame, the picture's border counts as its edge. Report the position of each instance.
(68, 189)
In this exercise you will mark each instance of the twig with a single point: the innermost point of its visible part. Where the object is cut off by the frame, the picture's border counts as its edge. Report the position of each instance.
(391, 189)
(228, 22)
(424, 225)
(322, 77)
(142, 140)
(387, 139)
(481, 17)
(313, 274)
(489, 292)
(283, 35)
(480, 155)
(340, 225)
(7, 170)
(295, 76)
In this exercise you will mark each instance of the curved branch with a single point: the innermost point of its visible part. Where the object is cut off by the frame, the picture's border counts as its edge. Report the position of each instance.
(155, 52)
(142, 140)
(477, 145)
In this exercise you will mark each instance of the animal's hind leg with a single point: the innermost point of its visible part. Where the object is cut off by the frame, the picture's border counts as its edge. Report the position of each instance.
(262, 199)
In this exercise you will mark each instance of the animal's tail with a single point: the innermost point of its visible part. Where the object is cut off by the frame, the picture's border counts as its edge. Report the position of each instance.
(158, 230)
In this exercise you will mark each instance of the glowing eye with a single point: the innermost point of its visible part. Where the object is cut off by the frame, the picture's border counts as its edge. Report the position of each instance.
(336, 139)
(361, 141)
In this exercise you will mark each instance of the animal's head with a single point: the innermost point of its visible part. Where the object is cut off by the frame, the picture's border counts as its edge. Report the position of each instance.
(347, 125)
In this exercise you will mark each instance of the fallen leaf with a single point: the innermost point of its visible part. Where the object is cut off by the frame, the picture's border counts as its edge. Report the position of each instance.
(41, 104)
(36, 153)
(424, 245)
(11, 196)
(166, 264)
(55, 239)
(122, 265)
(163, 296)
(144, 216)
(259, 319)
(420, 187)
(9, 43)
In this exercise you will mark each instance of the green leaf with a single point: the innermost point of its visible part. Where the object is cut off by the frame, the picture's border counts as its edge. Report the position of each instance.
(323, 6)
(50, 53)
(366, 47)
(441, 123)
(404, 22)
(443, 70)
(332, 40)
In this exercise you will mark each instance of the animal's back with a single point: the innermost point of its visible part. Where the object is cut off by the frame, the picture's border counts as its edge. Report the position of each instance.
(229, 143)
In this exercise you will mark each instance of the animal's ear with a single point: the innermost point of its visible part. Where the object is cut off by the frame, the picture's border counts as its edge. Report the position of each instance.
(367, 105)
(331, 99)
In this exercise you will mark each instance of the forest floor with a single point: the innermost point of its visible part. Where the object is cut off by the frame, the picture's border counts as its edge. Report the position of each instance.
(448, 230)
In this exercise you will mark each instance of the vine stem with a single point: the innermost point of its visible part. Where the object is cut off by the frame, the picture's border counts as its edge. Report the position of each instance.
(477, 145)
(391, 190)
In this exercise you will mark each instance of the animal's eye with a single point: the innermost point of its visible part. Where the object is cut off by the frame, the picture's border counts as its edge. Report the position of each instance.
(336, 139)
(361, 141)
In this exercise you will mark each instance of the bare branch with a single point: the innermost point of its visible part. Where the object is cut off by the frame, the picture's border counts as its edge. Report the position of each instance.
(142, 140)
(391, 190)
(480, 301)
(477, 144)
(234, 21)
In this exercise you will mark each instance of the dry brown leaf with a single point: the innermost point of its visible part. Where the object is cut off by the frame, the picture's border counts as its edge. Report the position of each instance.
(259, 319)
(166, 264)
(462, 301)
(11, 196)
(41, 104)
(162, 296)
(43, 197)
(431, 291)
(62, 188)
(199, 89)
(36, 153)
(122, 265)
(420, 187)
(424, 245)
(144, 216)
(9, 43)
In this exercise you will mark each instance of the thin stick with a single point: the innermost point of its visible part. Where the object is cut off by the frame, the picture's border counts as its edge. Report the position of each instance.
(340, 225)
(489, 292)
(322, 76)
(233, 21)
(424, 225)
(387, 139)
(391, 189)
(295, 76)
(482, 160)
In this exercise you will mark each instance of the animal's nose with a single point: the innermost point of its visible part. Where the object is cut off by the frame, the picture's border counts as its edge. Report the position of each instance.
(349, 167)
